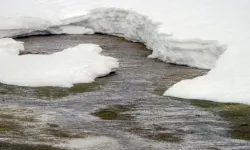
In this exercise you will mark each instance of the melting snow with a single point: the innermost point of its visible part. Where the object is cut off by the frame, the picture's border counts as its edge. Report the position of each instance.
(80, 64)
(194, 33)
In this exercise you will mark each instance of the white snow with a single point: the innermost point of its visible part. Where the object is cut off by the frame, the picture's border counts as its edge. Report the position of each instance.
(22, 17)
(80, 64)
(10, 23)
(228, 82)
(10, 46)
(91, 143)
(136, 27)
(134, 22)
(70, 29)
(193, 33)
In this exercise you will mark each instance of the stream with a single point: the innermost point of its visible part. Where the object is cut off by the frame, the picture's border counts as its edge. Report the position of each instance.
(123, 111)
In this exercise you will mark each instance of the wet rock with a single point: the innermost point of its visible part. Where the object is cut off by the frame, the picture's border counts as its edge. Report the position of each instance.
(31, 52)
(52, 125)
(244, 124)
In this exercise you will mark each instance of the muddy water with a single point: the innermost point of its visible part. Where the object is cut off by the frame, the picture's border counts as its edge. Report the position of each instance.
(145, 120)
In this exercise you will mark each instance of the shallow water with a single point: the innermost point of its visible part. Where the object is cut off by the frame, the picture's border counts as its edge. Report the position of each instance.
(138, 85)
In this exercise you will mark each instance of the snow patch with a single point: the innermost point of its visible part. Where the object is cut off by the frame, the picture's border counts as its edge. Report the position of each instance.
(10, 46)
(91, 143)
(80, 64)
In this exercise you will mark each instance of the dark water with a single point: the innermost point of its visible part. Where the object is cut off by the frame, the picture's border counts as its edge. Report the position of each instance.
(154, 122)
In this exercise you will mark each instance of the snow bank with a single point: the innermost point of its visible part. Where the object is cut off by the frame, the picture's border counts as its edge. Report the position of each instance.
(80, 64)
(134, 23)
(22, 17)
(139, 28)
(70, 29)
(15, 26)
(228, 82)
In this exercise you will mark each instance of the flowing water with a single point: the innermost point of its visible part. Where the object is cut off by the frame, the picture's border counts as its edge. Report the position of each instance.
(122, 111)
